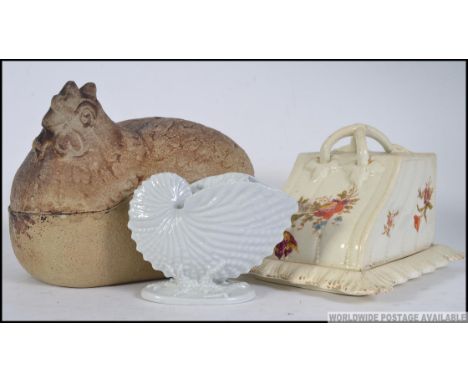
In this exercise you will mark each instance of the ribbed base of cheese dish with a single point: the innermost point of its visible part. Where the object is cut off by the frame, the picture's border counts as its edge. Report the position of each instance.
(358, 283)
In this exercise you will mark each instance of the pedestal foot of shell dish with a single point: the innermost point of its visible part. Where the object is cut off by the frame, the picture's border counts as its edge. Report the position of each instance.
(359, 283)
(173, 293)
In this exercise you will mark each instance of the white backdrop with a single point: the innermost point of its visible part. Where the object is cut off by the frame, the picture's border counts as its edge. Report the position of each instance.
(274, 110)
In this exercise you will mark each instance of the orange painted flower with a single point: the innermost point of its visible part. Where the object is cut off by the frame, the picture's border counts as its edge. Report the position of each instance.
(417, 222)
(328, 210)
(324, 209)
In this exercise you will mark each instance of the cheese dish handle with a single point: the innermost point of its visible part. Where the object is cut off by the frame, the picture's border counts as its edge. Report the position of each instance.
(359, 132)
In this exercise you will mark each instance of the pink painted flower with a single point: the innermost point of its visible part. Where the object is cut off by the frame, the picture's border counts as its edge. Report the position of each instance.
(427, 194)
(388, 226)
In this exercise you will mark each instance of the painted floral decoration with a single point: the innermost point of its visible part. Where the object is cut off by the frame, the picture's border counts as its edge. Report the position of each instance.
(425, 195)
(286, 246)
(324, 210)
(391, 215)
(417, 222)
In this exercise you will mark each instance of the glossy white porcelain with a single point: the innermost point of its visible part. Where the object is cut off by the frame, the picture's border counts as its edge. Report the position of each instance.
(205, 233)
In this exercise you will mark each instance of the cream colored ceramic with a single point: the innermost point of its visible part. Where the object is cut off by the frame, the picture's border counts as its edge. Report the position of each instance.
(366, 220)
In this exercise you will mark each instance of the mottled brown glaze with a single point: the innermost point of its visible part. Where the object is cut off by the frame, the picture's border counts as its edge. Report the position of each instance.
(83, 168)
(82, 161)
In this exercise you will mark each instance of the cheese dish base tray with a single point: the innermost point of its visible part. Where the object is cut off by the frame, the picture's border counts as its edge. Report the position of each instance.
(358, 283)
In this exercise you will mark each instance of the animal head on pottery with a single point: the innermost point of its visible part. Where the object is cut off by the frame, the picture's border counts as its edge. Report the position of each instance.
(71, 119)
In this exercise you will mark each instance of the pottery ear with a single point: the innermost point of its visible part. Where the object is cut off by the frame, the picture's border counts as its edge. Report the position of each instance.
(70, 88)
(87, 112)
(89, 90)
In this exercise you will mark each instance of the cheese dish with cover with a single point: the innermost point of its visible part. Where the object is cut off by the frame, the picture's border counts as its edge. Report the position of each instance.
(366, 220)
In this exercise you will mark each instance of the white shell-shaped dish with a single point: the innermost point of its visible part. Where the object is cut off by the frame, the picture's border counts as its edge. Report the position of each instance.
(205, 233)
